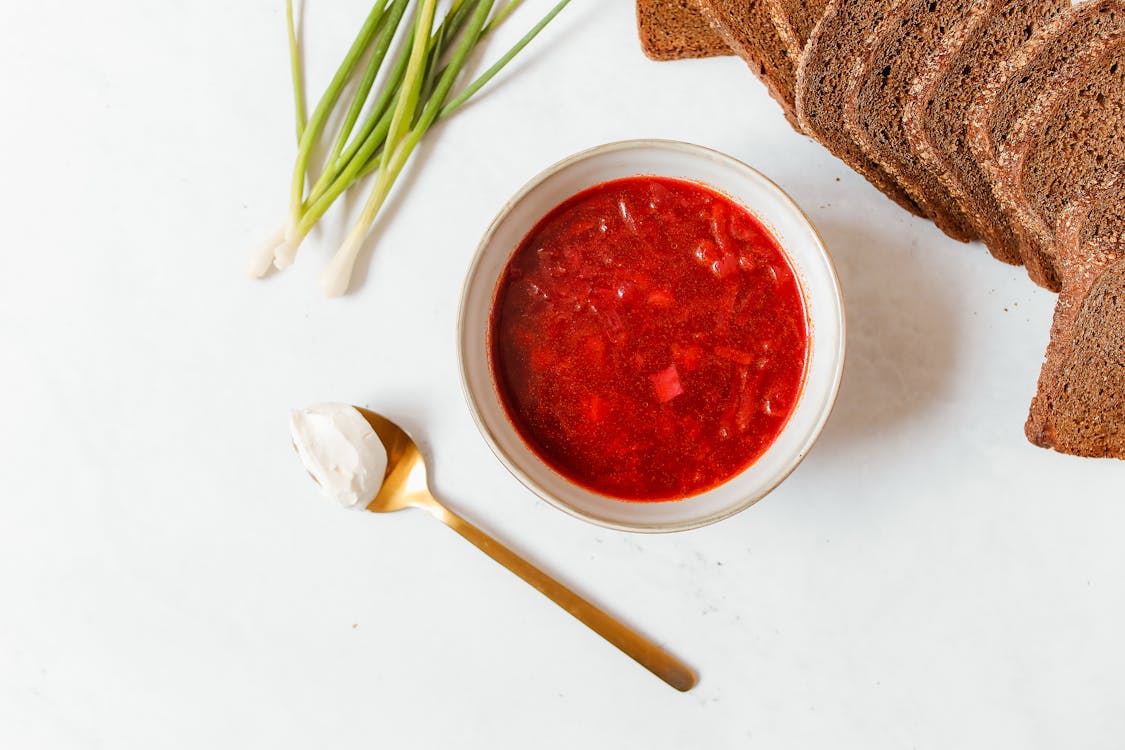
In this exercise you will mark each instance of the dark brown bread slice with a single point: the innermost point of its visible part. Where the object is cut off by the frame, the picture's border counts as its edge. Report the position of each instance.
(878, 89)
(746, 27)
(946, 84)
(1066, 144)
(822, 82)
(1080, 405)
(1012, 88)
(676, 30)
(795, 21)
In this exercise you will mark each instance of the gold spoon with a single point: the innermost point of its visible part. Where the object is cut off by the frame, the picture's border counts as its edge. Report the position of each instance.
(405, 486)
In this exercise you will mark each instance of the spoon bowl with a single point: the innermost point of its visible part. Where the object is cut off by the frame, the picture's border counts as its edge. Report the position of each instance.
(405, 485)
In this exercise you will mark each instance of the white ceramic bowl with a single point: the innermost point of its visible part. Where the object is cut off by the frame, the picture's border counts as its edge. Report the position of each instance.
(806, 252)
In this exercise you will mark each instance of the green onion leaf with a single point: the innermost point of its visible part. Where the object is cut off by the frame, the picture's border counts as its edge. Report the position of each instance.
(489, 74)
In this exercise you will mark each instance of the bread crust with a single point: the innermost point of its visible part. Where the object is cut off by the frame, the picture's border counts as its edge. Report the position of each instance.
(795, 21)
(834, 44)
(934, 115)
(1011, 89)
(878, 88)
(1042, 143)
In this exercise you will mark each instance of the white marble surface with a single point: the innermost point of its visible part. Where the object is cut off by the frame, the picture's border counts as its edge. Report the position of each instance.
(169, 578)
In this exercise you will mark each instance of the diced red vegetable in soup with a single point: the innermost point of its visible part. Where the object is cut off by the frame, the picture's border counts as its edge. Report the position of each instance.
(649, 339)
(667, 384)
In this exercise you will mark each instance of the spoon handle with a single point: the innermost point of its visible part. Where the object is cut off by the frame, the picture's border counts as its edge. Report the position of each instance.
(646, 653)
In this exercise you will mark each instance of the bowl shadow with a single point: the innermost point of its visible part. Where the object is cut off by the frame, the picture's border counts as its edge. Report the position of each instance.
(902, 339)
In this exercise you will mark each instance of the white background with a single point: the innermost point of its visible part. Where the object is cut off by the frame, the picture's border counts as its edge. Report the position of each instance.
(169, 577)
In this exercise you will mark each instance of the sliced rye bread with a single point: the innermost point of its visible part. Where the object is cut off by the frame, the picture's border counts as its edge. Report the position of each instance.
(1066, 145)
(746, 27)
(878, 89)
(795, 21)
(946, 83)
(822, 82)
(676, 30)
(1012, 88)
(1080, 404)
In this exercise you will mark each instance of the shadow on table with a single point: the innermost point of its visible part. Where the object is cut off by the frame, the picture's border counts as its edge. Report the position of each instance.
(902, 337)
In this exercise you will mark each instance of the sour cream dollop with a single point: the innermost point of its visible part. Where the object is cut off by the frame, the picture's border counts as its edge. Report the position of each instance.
(341, 451)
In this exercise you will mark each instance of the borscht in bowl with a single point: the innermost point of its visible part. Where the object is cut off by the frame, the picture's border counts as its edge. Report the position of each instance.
(648, 338)
(651, 336)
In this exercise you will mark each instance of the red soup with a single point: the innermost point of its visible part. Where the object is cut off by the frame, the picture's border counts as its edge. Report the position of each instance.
(649, 339)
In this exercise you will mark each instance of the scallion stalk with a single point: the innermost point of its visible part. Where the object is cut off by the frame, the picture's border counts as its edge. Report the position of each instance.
(364, 147)
(400, 144)
(400, 109)
(314, 127)
(299, 105)
(382, 46)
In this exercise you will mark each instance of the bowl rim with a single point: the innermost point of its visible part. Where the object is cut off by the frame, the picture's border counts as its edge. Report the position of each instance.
(840, 342)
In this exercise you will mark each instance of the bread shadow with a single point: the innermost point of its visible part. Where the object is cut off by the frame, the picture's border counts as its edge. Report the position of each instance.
(902, 338)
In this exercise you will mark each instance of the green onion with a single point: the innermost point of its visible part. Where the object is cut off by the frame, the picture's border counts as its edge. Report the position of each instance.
(397, 109)
(489, 74)
(315, 126)
(382, 45)
(295, 70)
(334, 281)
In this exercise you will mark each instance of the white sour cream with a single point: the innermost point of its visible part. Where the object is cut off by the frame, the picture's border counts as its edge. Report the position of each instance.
(341, 451)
